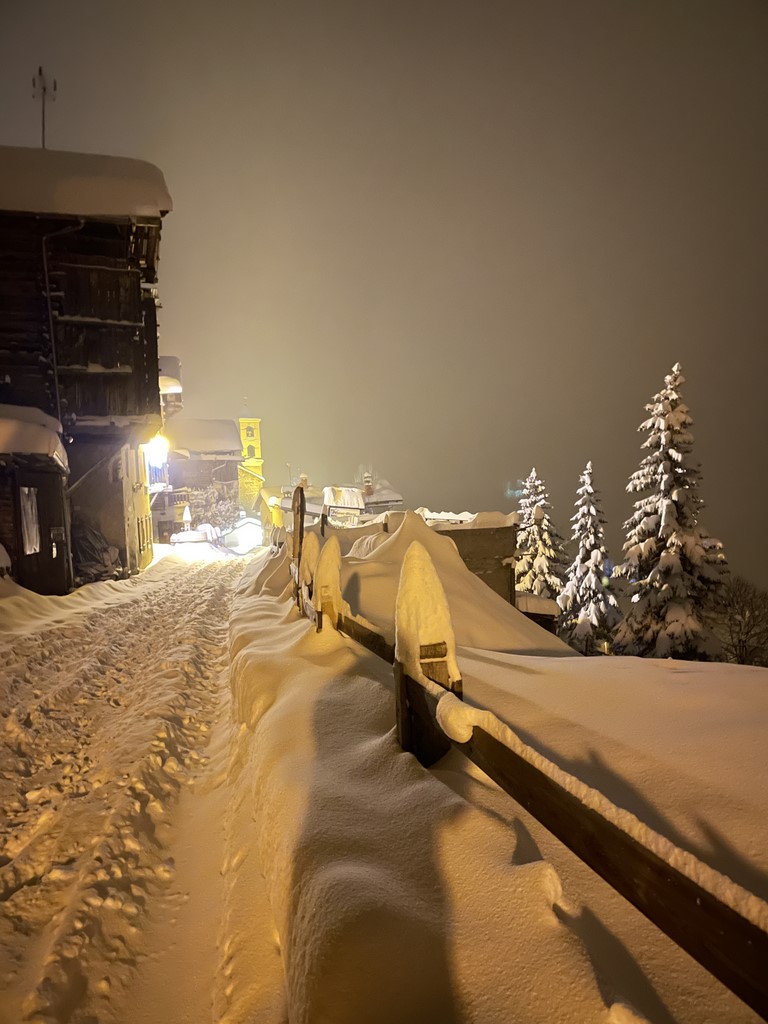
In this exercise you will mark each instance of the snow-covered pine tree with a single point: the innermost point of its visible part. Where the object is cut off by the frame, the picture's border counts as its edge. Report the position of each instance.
(540, 562)
(590, 612)
(675, 569)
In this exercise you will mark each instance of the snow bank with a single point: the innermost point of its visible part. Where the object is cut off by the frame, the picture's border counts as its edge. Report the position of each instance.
(458, 720)
(481, 618)
(22, 611)
(468, 520)
(394, 899)
(678, 745)
(346, 536)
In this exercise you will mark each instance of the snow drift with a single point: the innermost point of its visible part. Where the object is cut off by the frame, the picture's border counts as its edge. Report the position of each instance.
(480, 617)
(386, 886)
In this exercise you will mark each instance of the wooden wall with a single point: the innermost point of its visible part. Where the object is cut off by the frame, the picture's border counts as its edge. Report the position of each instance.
(105, 322)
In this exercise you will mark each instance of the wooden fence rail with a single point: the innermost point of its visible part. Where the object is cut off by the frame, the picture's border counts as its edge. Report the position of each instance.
(729, 945)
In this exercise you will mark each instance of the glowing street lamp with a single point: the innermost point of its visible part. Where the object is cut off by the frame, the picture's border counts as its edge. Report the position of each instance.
(157, 451)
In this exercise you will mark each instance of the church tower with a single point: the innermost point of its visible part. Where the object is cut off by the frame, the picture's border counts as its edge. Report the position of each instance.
(250, 476)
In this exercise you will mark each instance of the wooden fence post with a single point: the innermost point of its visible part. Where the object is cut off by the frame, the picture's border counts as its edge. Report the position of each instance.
(417, 731)
(422, 613)
(298, 508)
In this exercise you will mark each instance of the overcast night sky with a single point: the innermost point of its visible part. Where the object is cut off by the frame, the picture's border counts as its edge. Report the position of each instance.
(451, 239)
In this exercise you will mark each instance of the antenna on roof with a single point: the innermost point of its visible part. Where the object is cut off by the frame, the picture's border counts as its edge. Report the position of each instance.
(43, 90)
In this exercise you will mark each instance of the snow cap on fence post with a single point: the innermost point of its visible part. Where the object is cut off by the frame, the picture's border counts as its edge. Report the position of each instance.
(327, 588)
(422, 616)
(310, 553)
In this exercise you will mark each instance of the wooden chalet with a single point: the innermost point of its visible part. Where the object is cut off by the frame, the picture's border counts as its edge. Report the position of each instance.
(79, 244)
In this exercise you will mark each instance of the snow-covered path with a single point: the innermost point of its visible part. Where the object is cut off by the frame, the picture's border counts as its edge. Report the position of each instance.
(105, 763)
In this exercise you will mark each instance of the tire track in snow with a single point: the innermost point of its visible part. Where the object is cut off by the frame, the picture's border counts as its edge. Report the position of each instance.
(104, 719)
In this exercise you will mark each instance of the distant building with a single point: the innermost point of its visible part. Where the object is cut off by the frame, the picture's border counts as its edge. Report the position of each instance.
(250, 477)
(79, 241)
(202, 454)
(171, 391)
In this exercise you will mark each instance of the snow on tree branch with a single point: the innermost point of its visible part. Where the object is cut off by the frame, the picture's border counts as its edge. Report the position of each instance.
(540, 556)
(590, 611)
(674, 568)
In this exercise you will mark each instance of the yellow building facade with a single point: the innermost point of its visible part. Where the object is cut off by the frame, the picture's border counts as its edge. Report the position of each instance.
(250, 473)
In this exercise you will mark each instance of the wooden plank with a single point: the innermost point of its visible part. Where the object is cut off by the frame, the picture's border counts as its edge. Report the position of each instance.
(308, 608)
(429, 651)
(437, 671)
(373, 641)
(298, 508)
(733, 949)
(402, 712)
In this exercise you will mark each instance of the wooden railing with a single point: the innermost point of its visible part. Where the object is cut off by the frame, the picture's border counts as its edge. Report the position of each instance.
(719, 924)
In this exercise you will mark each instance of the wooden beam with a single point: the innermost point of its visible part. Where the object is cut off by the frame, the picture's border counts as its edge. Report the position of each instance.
(728, 945)
(370, 639)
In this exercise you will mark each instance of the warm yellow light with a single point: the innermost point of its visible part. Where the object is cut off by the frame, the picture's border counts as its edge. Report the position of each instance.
(157, 451)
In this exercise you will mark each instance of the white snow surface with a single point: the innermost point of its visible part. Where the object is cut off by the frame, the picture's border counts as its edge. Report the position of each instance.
(312, 871)
(458, 720)
(80, 184)
(480, 617)
(678, 745)
(109, 700)
(367, 863)
(386, 887)
(468, 520)
(535, 604)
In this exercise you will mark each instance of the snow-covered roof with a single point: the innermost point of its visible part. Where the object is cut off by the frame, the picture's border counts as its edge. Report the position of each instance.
(29, 431)
(187, 434)
(343, 497)
(535, 604)
(383, 493)
(169, 385)
(468, 520)
(80, 184)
